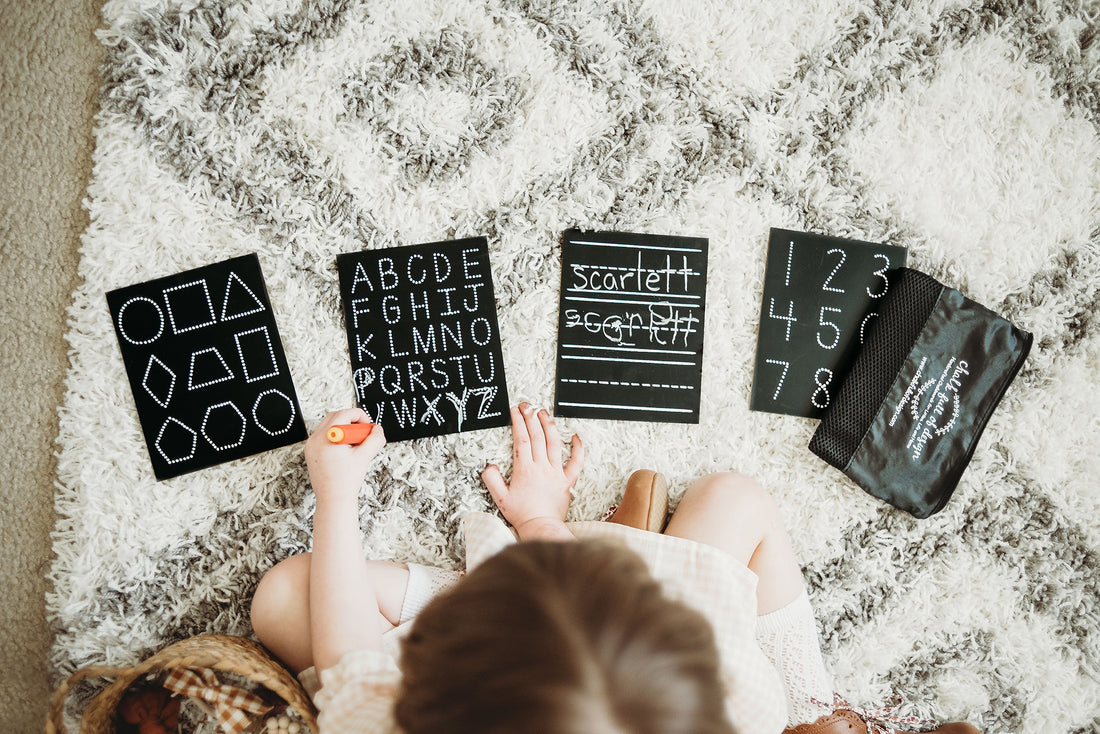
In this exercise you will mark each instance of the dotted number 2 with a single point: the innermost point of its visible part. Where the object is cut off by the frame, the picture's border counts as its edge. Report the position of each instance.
(839, 265)
(822, 387)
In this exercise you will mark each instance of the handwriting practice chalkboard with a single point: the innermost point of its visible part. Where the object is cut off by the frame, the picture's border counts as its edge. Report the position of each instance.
(820, 295)
(206, 366)
(423, 337)
(630, 328)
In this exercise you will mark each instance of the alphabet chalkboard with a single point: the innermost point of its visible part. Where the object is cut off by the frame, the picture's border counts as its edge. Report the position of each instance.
(630, 328)
(820, 295)
(206, 366)
(423, 337)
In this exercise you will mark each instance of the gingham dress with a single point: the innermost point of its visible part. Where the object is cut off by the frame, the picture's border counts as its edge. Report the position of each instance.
(360, 690)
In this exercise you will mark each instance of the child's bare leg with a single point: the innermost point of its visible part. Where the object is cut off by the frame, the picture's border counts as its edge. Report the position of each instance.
(733, 512)
(736, 514)
(280, 607)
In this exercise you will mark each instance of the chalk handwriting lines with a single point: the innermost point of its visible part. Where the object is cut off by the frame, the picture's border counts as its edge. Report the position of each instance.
(423, 338)
(821, 294)
(206, 366)
(630, 329)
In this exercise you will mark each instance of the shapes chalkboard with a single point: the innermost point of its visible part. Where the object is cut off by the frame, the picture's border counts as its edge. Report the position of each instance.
(630, 328)
(423, 337)
(206, 366)
(820, 295)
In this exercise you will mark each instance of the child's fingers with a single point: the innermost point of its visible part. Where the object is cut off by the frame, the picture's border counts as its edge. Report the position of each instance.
(358, 415)
(521, 440)
(573, 467)
(347, 415)
(494, 482)
(374, 442)
(553, 440)
(332, 418)
(534, 430)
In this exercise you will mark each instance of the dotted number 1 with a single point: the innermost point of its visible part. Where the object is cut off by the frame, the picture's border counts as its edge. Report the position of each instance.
(822, 387)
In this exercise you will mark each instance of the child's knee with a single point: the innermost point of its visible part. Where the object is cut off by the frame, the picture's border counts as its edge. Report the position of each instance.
(279, 593)
(732, 494)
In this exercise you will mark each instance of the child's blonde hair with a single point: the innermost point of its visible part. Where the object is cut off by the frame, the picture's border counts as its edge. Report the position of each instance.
(560, 638)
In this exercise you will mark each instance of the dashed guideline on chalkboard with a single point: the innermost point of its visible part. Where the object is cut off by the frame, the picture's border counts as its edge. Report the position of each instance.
(630, 329)
(423, 337)
(206, 366)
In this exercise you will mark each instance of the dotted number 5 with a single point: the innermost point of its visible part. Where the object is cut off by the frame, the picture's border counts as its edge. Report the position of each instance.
(836, 329)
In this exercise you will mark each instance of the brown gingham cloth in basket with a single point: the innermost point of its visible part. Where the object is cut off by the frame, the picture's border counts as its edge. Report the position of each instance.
(234, 707)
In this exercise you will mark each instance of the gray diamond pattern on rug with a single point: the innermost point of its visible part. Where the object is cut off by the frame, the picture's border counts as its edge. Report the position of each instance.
(301, 129)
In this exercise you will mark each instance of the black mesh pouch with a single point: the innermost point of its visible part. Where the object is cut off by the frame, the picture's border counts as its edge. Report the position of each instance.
(909, 414)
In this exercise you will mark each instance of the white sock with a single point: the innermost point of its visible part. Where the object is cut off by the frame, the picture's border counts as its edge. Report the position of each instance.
(790, 641)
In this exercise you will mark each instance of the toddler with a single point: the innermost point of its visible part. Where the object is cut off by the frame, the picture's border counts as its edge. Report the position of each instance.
(703, 626)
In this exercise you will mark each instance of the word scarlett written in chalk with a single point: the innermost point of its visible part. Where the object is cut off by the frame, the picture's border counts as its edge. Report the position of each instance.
(636, 277)
(423, 337)
(660, 324)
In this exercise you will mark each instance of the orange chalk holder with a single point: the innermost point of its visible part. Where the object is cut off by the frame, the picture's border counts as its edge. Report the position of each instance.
(350, 433)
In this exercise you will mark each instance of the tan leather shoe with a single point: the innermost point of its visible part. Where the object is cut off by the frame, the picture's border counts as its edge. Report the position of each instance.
(645, 502)
(845, 721)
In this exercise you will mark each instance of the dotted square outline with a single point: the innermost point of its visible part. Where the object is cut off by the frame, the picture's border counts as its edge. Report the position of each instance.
(209, 304)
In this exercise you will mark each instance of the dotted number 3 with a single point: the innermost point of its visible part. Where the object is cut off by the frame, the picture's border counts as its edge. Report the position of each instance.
(822, 387)
(882, 274)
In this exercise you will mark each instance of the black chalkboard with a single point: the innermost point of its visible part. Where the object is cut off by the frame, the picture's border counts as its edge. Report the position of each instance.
(820, 295)
(423, 337)
(630, 328)
(206, 366)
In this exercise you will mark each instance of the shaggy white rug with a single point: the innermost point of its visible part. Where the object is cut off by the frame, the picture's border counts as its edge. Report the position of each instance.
(301, 129)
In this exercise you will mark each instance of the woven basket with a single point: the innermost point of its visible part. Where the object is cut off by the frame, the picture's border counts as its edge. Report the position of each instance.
(223, 653)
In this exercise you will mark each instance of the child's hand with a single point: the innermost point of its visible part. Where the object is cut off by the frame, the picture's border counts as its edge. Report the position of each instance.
(337, 470)
(539, 492)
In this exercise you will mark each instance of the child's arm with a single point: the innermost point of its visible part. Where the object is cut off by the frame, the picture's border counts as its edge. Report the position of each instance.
(537, 497)
(343, 603)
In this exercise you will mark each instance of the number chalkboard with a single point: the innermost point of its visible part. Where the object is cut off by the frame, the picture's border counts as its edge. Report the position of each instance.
(423, 336)
(630, 329)
(206, 366)
(820, 295)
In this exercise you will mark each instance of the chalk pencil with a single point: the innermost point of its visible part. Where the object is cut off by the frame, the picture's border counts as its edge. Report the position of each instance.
(350, 433)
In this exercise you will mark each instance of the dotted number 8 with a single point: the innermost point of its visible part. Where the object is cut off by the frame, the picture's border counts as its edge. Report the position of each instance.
(821, 387)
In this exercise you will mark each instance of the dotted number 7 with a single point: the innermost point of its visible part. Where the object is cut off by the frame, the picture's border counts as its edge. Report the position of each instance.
(782, 377)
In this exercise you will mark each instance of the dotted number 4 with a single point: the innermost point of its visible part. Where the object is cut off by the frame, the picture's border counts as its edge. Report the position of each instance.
(789, 318)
